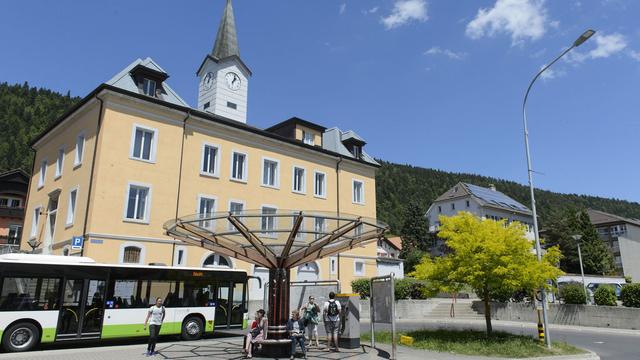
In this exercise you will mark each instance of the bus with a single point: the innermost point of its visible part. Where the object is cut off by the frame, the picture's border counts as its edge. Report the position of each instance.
(48, 298)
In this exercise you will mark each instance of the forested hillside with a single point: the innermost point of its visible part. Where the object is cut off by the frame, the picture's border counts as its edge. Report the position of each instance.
(397, 185)
(26, 111)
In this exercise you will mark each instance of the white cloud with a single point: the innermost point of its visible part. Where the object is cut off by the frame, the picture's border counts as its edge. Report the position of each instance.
(404, 12)
(522, 19)
(606, 45)
(551, 74)
(373, 10)
(343, 8)
(635, 55)
(436, 50)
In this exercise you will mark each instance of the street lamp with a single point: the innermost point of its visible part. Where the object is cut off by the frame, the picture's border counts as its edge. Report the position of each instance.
(578, 239)
(579, 41)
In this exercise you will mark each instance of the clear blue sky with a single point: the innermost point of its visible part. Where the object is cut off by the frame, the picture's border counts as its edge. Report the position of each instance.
(433, 83)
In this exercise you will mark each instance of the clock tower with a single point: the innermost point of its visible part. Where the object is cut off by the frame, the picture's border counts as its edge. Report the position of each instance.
(223, 77)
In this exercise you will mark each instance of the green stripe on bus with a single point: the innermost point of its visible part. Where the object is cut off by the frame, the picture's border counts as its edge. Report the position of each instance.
(124, 330)
(48, 335)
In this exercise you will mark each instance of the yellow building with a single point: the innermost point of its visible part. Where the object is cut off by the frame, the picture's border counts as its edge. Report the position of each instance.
(132, 155)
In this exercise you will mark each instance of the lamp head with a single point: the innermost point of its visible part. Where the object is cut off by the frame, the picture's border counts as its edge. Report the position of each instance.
(577, 238)
(584, 37)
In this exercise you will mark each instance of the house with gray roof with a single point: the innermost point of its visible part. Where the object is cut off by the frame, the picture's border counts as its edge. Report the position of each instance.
(486, 203)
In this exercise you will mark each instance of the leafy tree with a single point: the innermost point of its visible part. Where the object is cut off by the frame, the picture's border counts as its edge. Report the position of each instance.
(573, 293)
(490, 256)
(630, 295)
(415, 230)
(605, 296)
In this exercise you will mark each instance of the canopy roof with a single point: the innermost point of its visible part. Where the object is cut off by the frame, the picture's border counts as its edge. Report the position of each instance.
(277, 238)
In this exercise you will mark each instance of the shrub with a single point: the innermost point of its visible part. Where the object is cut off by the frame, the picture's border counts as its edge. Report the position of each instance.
(573, 293)
(630, 295)
(361, 286)
(605, 296)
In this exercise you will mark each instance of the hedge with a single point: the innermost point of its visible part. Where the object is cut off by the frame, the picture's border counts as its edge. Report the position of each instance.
(605, 296)
(573, 293)
(630, 295)
(407, 288)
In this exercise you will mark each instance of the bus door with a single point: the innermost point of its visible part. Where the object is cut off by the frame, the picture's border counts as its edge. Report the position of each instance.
(82, 309)
(223, 305)
(238, 304)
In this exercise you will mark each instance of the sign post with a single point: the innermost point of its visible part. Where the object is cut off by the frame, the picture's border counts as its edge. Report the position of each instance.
(77, 243)
(383, 307)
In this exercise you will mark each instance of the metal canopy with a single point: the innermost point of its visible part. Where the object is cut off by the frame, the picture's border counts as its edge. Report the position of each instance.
(276, 238)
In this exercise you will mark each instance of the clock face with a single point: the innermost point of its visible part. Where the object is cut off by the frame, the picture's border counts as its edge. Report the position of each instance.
(208, 81)
(233, 81)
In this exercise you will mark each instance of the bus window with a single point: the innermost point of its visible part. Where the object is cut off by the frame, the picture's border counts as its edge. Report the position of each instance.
(237, 307)
(29, 294)
(195, 293)
(163, 290)
(127, 294)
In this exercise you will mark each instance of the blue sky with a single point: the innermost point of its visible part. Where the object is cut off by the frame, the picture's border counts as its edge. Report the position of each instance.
(433, 83)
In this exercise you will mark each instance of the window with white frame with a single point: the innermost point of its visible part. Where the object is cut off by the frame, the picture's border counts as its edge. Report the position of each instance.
(235, 207)
(206, 207)
(320, 184)
(59, 162)
(239, 166)
(209, 160)
(358, 192)
(333, 265)
(299, 183)
(357, 232)
(319, 227)
(71, 206)
(15, 233)
(307, 137)
(35, 221)
(143, 147)
(149, 87)
(79, 150)
(270, 172)
(268, 224)
(138, 203)
(10, 202)
(43, 173)
(358, 267)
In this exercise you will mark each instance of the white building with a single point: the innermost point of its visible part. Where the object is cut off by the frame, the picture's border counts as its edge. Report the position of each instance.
(486, 203)
(389, 257)
(622, 236)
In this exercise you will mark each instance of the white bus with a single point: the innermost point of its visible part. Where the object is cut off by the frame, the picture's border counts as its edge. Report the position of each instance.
(46, 298)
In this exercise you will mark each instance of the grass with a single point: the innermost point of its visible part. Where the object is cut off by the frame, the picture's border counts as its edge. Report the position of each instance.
(470, 342)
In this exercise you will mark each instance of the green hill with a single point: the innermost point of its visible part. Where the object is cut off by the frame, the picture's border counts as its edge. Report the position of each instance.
(26, 111)
(397, 185)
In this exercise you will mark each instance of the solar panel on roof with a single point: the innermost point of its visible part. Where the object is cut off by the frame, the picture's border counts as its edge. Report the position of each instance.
(495, 197)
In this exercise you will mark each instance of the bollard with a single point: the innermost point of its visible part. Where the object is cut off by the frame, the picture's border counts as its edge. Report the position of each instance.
(540, 329)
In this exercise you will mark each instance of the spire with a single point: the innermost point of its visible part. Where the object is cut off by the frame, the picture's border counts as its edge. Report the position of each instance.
(226, 40)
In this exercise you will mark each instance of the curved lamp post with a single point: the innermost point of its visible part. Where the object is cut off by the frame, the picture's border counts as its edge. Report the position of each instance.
(579, 41)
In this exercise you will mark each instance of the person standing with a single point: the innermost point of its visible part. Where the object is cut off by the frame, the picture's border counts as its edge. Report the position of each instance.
(331, 315)
(295, 327)
(156, 314)
(311, 316)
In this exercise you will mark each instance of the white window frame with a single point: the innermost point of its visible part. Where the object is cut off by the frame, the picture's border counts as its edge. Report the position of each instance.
(244, 207)
(216, 163)
(333, 259)
(147, 207)
(317, 236)
(266, 233)
(71, 212)
(184, 256)
(245, 167)
(355, 267)
(35, 220)
(59, 163)
(212, 224)
(154, 142)
(311, 139)
(276, 178)
(353, 194)
(146, 81)
(139, 245)
(42, 176)
(304, 179)
(324, 185)
(79, 153)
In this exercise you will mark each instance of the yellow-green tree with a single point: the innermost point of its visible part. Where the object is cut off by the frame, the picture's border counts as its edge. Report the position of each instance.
(492, 257)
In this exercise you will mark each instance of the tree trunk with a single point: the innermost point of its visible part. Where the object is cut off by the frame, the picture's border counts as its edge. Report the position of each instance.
(487, 311)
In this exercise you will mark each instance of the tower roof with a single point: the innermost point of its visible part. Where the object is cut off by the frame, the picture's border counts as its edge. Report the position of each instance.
(226, 44)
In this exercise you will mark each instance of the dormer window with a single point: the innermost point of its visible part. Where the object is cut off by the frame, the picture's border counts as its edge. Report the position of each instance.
(149, 87)
(307, 137)
(357, 151)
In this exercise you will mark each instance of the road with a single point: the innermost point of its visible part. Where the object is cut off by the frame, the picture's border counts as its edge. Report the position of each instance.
(609, 344)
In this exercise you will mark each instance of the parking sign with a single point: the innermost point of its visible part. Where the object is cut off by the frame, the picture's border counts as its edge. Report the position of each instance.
(76, 242)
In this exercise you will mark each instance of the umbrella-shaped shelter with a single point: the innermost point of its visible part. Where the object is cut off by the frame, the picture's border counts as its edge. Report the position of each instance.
(278, 240)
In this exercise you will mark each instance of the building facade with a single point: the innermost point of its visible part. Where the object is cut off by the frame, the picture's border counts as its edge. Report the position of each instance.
(622, 236)
(486, 203)
(13, 194)
(133, 155)
(389, 257)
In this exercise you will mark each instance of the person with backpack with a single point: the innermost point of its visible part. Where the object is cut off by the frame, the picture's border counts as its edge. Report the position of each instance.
(156, 314)
(311, 316)
(331, 312)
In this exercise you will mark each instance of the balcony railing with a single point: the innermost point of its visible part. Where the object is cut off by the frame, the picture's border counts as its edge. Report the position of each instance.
(9, 244)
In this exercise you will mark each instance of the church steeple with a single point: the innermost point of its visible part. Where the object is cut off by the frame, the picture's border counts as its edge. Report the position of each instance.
(226, 40)
(224, 77)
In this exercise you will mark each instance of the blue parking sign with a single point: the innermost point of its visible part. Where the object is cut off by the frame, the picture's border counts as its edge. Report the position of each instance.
(76, 242)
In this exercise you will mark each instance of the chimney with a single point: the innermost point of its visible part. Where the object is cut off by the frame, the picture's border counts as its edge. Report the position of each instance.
(492, 187)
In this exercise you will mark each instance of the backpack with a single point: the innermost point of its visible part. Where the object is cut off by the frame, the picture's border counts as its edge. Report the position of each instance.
(333, 308)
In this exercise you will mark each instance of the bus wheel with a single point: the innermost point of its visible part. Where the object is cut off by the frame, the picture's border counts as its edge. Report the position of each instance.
(192, 328)
(21, 337)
